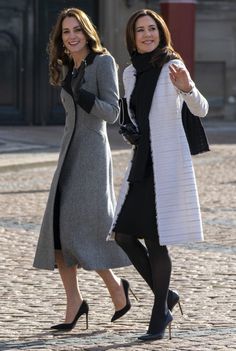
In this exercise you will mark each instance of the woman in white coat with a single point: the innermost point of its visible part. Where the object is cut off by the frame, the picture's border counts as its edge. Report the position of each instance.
(158, 201)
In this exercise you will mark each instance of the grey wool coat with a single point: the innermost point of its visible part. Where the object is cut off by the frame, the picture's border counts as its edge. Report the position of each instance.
(84, 178)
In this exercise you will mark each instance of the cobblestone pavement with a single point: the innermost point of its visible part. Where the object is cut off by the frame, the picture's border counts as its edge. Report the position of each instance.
(203, 273)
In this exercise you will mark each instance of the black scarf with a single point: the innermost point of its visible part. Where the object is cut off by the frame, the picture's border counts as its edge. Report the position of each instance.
(140, 103)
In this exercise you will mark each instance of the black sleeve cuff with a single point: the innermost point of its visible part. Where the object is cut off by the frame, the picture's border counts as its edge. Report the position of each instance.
(85, 99)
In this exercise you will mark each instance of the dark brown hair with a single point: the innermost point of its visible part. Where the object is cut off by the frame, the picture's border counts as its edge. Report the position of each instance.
(57, 55)
(165, 51)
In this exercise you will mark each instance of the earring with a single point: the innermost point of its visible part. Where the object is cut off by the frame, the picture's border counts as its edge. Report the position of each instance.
(66, 51)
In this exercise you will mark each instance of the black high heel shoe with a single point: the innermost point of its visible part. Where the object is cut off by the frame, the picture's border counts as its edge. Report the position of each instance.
(159, 334)
(84, 309)
(174, 299)
(127, 307)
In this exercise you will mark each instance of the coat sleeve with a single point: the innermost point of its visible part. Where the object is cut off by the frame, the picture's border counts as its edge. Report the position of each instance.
(195, 101)
(106, 104)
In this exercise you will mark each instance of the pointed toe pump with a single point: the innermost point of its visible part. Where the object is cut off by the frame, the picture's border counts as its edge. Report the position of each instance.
(159, 334)
(173, 300)
(84, 309)
(124, 310)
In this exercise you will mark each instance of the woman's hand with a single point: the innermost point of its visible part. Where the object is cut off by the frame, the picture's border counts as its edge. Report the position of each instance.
(180, 78)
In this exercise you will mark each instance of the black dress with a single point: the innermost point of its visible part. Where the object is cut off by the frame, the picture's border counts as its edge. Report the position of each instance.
(56, 219)
(138, 214)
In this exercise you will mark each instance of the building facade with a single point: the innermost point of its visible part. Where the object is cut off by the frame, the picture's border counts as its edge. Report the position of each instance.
(26, 98)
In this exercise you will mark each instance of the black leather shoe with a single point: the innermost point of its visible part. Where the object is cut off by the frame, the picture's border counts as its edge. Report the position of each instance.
(173, 299)
(84, 309)
(159, 334)
(127, 307)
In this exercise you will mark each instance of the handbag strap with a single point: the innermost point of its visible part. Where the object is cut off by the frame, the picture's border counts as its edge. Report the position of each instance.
(124, 117)
(122, 112)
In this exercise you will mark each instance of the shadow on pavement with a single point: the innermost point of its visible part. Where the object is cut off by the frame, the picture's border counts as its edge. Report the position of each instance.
(42, 340)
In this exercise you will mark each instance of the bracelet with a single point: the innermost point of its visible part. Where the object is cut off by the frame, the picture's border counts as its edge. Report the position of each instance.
(189, 93)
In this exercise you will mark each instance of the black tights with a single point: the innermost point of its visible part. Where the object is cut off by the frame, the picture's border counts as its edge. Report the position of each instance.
(153, 263)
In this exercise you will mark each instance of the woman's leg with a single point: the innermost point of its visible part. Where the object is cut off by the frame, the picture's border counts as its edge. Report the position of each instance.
(115, 288)
(137, 254)
(69, 280)
(161, 271)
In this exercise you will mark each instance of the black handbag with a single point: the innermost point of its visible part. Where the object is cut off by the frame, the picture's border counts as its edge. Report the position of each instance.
(195, 133)
(127, 129)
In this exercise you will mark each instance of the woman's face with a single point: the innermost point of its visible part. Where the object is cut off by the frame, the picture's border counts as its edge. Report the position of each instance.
(73, 37)
(147, 36)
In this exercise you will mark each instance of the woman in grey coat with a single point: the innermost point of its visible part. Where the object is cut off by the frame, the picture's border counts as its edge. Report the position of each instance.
(81, 201)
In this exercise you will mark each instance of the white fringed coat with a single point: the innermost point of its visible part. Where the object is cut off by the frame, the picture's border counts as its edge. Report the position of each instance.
(177, 204)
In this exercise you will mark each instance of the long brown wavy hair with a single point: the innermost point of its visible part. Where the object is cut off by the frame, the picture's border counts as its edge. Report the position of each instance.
(165, 51)
(56, 51)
